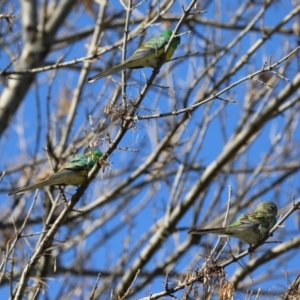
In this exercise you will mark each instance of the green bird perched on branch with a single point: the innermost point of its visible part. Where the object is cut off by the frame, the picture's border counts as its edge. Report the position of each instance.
(250, 228)
(148, 55)
(73, 172)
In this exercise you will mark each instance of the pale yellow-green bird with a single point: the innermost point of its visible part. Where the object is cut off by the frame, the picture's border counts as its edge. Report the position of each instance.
(250, 228)
(148, 55)
(73, 172)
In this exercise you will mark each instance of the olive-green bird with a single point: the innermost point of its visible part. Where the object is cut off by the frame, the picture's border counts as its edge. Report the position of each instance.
(73, 172)
(250, 228)
(145, 56)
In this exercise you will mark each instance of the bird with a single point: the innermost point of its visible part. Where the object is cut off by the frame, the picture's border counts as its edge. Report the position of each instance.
(251, 227)
(147, 55)
(73, 172)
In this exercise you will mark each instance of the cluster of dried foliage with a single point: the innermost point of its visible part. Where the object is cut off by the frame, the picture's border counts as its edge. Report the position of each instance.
(224, 112)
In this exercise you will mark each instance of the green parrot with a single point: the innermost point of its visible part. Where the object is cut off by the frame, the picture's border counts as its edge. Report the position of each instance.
(145, 56)
(73, 172)
(250, 228)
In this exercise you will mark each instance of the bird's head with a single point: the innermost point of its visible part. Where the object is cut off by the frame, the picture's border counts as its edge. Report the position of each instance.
(267, 207)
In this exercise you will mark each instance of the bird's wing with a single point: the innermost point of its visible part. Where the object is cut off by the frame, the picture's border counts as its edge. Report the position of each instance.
(155, 45)
(79, 162)
(261, 218)
(63, 173)
(139, 55)
(68, 177)
(244, 226)
(244, 222)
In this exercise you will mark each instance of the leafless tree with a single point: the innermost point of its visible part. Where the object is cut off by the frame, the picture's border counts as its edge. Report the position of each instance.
(192, 143)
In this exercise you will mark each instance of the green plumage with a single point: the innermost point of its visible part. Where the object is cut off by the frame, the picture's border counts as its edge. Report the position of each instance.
(145, 56)
(250, 228)
(73, 172)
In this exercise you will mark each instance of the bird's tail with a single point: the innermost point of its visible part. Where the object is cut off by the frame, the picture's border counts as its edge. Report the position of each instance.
(108, 72)
(30, 187)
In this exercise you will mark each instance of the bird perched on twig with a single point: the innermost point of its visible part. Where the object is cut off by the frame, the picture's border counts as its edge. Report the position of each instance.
(73, 172)
(251, 227)
(148, 55)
